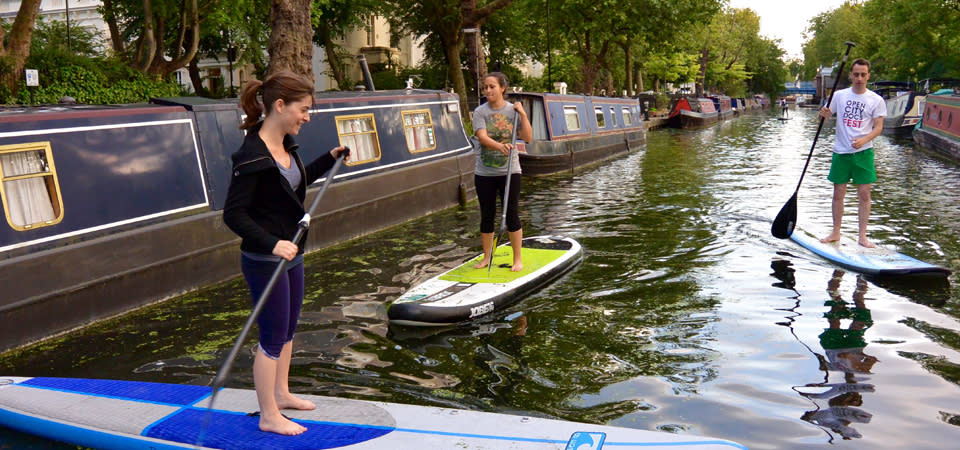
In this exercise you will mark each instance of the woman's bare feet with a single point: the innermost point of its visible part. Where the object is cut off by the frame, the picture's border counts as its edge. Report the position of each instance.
(280, 425)
(865, 243)
(834, 237)
(290, 402)
(481, 265)
(517, 266)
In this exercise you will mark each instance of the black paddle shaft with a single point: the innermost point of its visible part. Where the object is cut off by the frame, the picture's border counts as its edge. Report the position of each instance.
(302, 227)
(783, 225)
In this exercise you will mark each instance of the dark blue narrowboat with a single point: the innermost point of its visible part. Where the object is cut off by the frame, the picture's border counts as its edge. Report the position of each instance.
(109, 208)
(571, 131)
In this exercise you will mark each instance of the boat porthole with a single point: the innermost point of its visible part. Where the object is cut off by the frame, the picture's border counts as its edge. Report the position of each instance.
(950, 120)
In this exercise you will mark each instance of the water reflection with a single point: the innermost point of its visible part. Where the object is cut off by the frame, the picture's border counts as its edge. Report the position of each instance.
(843, 352)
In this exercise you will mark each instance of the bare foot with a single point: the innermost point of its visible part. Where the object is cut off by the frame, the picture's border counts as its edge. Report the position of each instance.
(280, 425)
(517, 266)
(834, 237)
(481, 265)
(865, 243)
(290, 402)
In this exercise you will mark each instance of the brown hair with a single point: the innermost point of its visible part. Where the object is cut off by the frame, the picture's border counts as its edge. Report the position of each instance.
(862, 62)
(500, 77)
(283, 85)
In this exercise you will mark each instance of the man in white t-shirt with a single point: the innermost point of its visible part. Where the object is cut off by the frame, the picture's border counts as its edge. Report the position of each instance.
(860, 115)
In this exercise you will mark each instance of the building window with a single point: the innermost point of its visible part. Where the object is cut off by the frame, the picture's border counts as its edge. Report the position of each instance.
(598, 111)
(627, 117)
(613, 116)
(571, 117)
(418, 129)
(29, 186)
(360, 134)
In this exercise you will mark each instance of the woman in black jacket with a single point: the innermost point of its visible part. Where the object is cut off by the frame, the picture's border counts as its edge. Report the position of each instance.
(264, 205)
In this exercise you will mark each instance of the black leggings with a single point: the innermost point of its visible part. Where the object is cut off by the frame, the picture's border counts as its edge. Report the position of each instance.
(488, 189)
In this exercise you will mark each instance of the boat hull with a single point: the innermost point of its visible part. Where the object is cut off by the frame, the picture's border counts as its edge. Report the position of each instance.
(132, 242)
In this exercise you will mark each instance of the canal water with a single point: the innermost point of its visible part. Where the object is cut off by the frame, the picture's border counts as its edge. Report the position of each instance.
(685, 316)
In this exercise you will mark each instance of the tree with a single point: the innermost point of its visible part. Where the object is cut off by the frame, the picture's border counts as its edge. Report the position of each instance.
(15, 48)
(291, 37)
(442, 22)
(332, 20)
(723, 46)
(920, 39)
(155, 36)
(829, 30)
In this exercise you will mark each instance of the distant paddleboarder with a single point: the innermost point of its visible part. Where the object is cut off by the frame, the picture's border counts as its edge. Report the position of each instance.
(860, 114)
(783, 108)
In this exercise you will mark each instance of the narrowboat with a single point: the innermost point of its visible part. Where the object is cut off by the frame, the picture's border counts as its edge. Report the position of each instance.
(723, 105)
(108, 208)
(902, 106)
(571, 131)
(939, 129)
(692, 112)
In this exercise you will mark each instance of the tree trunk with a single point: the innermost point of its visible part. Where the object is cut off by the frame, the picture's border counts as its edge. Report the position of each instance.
(291, 37)
(14, 55)
(196, 79)
(147, 45)
(628, 65)
(333, 59)
(187, 44)
(702, 77)
(451, 46)
(111, 19)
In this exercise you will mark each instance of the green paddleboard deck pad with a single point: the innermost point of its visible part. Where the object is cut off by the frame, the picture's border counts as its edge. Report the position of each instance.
(130, 415)
(464, 293)
(878, 261)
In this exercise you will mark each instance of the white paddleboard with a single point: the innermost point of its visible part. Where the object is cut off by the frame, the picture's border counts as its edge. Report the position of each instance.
(879, 261)
(464, 293)
(110, 414)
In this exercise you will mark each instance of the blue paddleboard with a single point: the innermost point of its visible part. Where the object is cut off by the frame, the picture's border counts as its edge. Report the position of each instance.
(877, 261)
(112, 414)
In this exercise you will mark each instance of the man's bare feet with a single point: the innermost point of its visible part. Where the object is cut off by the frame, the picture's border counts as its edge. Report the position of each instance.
(290, 402)
(865, 243)
(280, 425)
(481, 264)
(834, 237)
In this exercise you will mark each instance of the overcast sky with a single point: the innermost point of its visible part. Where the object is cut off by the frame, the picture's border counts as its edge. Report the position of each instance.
(786, 20)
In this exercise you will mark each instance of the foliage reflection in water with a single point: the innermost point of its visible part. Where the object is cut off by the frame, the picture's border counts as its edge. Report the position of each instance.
(685, 316)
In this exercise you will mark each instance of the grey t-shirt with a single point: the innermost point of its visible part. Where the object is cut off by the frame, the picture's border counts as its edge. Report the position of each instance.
(499, 126)
(292, 174)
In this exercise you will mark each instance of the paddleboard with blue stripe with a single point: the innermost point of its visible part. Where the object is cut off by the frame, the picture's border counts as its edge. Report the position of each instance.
(464, 293)
(111, 414)
(878, 261)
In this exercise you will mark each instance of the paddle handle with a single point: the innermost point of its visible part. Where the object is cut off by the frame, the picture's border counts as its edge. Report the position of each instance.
(836, 81)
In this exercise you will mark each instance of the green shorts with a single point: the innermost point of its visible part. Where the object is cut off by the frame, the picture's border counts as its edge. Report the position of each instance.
(853, 166)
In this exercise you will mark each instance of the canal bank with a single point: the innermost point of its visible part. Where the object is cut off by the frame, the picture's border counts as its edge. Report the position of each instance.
(685, 316)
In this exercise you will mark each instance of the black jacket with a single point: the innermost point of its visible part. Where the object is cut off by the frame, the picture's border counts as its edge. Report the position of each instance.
(261, 206)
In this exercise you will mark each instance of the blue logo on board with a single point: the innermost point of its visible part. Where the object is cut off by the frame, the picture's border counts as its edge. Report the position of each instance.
(582, 440)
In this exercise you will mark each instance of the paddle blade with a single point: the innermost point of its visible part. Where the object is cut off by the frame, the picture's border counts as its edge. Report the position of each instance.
(787, 218)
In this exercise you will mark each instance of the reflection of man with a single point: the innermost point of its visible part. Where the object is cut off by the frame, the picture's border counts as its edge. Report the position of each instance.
(844, 352)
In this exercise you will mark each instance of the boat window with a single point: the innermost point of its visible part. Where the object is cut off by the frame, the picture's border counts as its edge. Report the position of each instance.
(418, 129)
(360, 134)
(599, 113)
(613, 116)
(29, 186)
(627, 117)
(572, 118)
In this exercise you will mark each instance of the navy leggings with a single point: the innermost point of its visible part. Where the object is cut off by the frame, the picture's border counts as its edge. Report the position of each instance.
(488, 190)
(279, 316)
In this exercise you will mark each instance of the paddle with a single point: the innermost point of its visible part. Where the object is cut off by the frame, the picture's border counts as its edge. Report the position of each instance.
(302, 226)
(506, 191)
(787, 218)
